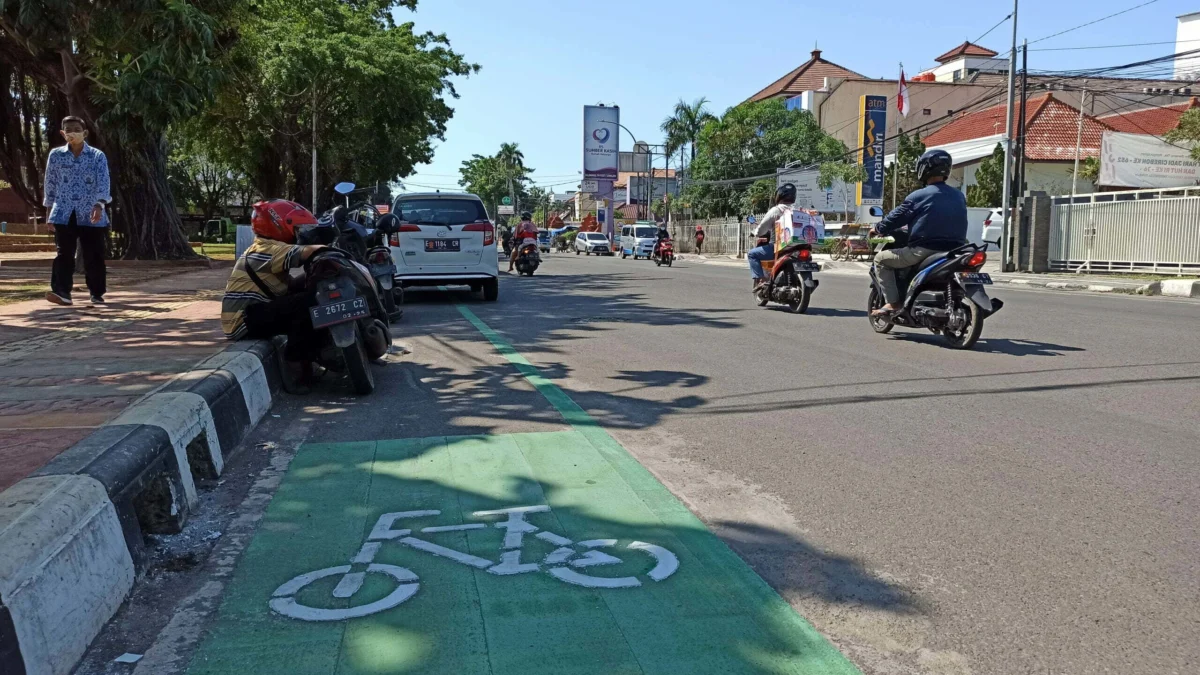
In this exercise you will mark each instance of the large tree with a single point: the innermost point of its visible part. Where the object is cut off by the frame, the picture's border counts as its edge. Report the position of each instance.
(749, 140)
(370, 93)
(684, 125)
(494, 177)
(988, 189)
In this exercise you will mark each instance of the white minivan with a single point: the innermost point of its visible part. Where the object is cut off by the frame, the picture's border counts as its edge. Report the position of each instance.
(637, 240)
(445, 239)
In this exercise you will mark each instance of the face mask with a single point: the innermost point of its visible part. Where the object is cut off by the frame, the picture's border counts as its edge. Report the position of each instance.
(74, 136)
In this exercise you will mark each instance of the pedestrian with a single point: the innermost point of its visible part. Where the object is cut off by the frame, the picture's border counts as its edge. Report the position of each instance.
(699, 239)
(76, 191)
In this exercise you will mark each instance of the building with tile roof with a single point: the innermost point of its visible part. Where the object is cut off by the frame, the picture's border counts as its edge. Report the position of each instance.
(808, 76)
(1155, 120)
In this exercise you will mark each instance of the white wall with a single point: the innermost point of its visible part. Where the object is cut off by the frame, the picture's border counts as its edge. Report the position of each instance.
(1186, 30)
(1053, 178)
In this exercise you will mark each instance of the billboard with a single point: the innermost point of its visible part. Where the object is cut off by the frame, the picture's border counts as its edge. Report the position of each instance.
(809, 195)
(1141, 161)
(600, 141)
(872, 127)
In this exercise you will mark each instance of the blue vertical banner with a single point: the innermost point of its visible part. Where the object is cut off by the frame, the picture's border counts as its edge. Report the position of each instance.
(872, 129)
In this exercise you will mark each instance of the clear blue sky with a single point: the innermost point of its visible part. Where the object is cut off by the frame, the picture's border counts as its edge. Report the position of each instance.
(543, 60)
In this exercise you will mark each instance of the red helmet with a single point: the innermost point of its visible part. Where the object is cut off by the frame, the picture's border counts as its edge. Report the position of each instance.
(279, 219)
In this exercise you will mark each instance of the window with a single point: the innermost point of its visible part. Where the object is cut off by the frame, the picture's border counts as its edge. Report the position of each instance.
(440, 211)
(926, 112)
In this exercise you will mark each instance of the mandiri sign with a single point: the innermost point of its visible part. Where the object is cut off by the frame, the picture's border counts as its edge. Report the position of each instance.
(1144, 161)
(601, 142)
(872, 127)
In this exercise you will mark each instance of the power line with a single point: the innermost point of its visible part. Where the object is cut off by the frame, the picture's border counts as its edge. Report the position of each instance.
(1094, 21)
(1132, 44)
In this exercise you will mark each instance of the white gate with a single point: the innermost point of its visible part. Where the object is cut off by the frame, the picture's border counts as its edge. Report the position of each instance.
(1158, 235)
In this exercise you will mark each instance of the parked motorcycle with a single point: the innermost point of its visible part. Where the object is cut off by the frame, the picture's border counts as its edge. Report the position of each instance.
(664, 253)
(349, 311)
(789, 278)
(528, 257)
(364, 233)
(945, 293)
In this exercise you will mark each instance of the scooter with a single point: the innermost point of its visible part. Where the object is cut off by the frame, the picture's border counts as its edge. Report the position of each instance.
(369, 246)
(528, 257)
(944, 293)
(789, 277)
(664, 253)
(348, 310)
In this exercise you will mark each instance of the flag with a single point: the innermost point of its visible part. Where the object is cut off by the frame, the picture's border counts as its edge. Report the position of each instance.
(902, 102)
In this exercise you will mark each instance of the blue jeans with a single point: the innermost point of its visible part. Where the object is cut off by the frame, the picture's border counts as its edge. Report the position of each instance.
(756, 256)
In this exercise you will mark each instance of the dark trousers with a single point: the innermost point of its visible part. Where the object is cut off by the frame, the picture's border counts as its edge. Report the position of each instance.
(288, 316)
(90, 241)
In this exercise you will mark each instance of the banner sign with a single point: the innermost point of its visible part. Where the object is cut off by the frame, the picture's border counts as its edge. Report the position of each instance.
(1143, 161)
(799, 225)
(809, 194)
(600, 141)
(872, 127)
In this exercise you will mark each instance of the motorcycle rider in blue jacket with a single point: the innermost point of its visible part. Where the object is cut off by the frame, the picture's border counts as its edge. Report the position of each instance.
(936, 217)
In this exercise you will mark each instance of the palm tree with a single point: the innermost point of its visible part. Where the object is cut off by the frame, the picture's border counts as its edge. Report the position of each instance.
(684, 125)
(511, 157)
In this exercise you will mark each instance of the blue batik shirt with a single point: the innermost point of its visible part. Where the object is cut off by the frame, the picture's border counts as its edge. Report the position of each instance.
(75, 185)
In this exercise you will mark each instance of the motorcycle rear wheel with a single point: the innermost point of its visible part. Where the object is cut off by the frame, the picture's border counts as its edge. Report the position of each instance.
(874, 302)
(968, 335)
(358, 367)
(801, 306)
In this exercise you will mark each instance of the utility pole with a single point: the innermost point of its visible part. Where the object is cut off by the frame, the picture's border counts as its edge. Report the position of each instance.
(1019, 188)
(314, 153)
(1006, 230)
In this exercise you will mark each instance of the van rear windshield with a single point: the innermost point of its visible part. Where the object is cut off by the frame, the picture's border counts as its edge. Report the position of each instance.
(440, 211)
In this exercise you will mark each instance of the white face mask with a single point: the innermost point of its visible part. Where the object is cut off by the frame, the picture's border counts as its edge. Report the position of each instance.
(74, 137)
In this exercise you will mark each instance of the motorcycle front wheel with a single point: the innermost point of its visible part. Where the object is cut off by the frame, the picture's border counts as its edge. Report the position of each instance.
(874, 302)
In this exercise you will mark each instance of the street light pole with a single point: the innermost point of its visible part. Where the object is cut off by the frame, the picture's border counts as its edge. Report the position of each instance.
(1006, 229)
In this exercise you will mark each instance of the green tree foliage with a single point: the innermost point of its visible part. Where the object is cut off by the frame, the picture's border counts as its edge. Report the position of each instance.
(845, 172)
(988, 189)
(494, 177)
(1089, 168)
(684, 125)
(129, 68)
(909, 150)
(1188, 131)
(752, 139)
(376, 88)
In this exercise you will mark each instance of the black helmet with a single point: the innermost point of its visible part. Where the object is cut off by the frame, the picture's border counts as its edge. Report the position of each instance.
(525, 215)
(785, 193)
(934, 163)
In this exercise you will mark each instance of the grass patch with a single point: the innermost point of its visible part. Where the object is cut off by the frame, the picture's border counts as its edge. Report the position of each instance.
(216, 251)
(10, 293)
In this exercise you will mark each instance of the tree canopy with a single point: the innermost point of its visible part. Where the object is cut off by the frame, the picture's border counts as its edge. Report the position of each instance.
(494, 177)
(1187, 131)
(909, 150)
(752, 139)
(989, 181)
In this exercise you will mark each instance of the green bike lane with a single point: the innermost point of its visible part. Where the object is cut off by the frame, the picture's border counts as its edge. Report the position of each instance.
(407, 556)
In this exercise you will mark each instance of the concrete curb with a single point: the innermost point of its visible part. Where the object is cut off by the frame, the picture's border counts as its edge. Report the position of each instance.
(71, 535)
(1177, 288)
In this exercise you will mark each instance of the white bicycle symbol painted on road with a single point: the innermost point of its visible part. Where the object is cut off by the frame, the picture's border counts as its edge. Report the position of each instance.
(563, 563)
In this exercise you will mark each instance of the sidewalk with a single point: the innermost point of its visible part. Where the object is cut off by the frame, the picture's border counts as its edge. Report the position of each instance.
(1062, 282)
(66, 370)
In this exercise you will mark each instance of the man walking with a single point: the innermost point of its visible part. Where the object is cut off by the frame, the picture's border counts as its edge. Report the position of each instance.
(76, 191)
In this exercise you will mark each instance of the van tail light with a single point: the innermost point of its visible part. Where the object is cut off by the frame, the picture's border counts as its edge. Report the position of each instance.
(489, 232)
(977, 259)
(987, 223)
(804, 254)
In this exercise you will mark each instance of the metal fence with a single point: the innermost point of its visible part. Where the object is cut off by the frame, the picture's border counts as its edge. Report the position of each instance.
(1158, 235)
(722, 236)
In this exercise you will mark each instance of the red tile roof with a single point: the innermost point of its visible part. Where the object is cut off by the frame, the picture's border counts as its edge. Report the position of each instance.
(808, 76)
(965, 49)
(623, 176)
(1156, 121)
(1050, 129)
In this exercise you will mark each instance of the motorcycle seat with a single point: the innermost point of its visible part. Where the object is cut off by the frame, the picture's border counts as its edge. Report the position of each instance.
(931, 261)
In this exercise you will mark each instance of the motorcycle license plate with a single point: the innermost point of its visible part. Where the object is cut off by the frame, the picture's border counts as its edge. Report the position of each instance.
(435, 245)
(334, 313)
(975, 278)
(806, 267)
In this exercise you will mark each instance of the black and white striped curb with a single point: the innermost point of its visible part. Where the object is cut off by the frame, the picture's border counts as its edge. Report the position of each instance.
(71, 535)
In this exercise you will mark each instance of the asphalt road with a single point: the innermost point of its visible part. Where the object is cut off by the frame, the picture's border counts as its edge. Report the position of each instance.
(1026, 507)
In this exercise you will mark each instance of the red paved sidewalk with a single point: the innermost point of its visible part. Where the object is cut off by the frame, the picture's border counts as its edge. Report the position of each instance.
(66, 370)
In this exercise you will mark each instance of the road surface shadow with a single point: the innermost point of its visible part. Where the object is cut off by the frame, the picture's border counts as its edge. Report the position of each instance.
(1007, 346)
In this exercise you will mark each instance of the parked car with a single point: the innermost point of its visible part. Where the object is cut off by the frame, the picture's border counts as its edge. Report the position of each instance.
(445, 238)
(992, 226)
(592, 242)
(637, 240)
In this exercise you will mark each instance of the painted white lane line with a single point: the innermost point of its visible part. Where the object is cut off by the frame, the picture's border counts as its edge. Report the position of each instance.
(572, 577)
(453, 528)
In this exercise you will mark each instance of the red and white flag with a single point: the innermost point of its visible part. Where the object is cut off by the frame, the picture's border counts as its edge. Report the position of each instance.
(902, 102)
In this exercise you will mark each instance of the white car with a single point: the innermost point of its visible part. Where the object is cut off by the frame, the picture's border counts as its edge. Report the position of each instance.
(638, 240)
(592, 242)
(445, 238)
(992, 226)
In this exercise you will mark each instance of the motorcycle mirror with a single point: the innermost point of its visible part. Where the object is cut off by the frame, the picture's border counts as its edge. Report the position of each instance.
(343, 188)
(875, 211)
(751, 220)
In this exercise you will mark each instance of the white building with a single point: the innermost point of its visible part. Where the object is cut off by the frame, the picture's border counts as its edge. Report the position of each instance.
(1187, 39)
